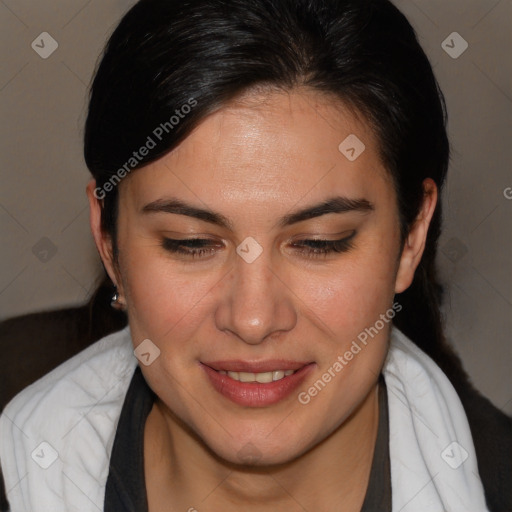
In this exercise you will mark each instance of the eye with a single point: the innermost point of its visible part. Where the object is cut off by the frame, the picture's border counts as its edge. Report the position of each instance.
(202, 247)
(192, 247)
(319, 248)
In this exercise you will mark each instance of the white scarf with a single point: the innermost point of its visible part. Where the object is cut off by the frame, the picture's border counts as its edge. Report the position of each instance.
(74, 411)
(432, 456)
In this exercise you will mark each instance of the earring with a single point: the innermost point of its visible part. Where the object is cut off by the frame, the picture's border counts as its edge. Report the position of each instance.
(115, 302)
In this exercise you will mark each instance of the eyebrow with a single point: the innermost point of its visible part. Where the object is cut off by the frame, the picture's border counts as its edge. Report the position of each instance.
(336, 204)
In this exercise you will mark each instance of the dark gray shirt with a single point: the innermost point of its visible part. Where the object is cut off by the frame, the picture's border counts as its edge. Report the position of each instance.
(126, 487)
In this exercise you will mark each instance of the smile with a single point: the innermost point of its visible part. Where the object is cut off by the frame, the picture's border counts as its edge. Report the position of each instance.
(256, 389)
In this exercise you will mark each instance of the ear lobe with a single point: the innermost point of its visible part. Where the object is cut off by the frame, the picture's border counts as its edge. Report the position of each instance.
(102, 240)
(414, 244)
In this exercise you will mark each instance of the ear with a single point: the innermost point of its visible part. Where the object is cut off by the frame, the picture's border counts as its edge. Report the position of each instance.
(414, 244)
(103, 240)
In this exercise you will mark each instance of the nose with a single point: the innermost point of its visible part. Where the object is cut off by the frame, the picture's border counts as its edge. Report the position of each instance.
(256, 303)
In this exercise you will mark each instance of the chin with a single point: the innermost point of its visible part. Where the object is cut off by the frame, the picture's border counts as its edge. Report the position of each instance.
(259, 452)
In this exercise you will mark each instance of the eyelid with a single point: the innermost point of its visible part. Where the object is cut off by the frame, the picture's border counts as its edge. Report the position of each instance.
(201, 240)
(335, 237)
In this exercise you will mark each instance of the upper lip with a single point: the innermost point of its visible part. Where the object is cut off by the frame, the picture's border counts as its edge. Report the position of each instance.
(256, 366)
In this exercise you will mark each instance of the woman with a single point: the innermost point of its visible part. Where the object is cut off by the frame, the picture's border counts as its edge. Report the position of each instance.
(266, 189)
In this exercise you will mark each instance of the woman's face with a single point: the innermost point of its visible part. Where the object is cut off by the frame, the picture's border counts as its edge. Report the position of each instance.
(255, 293)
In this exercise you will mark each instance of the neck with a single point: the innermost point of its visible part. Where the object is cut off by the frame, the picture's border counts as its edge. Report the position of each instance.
(182, 471)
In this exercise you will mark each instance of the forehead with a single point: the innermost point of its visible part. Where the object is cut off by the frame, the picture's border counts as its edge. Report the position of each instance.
(268, 149)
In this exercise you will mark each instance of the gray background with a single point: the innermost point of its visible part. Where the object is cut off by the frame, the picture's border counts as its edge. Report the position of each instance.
(48, 256)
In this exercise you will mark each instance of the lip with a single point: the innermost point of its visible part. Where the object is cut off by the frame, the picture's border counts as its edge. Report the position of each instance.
(256, 394)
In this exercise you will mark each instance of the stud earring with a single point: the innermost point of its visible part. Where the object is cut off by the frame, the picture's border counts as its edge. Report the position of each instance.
(115, 302)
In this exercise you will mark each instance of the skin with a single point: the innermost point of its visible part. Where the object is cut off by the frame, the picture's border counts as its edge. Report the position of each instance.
(255, 160)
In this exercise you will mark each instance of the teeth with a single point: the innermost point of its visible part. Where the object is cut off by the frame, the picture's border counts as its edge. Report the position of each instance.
(277, 375)
(263, 378)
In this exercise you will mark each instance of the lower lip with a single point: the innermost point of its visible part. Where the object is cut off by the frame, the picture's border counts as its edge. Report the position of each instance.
(256, 394)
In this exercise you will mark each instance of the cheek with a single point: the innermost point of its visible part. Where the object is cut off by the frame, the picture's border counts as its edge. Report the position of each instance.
(163, 300)
(355, 303)
(355, 292)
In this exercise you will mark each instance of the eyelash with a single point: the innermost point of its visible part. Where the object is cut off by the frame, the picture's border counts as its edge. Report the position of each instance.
(319, 249)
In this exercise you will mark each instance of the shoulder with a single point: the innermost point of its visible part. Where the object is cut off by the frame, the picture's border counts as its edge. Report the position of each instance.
(96, 368)
(55, 427)
(490, 428)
